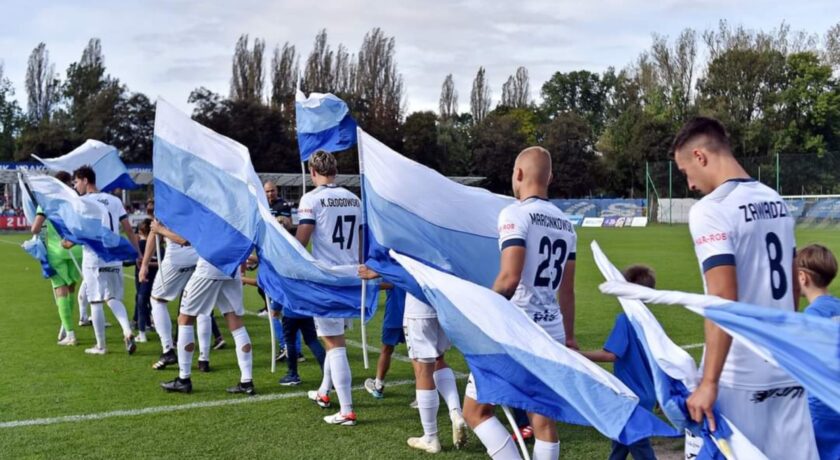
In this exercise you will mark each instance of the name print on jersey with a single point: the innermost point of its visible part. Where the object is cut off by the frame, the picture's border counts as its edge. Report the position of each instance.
(551, 222)
(764, 210)
(340, 202)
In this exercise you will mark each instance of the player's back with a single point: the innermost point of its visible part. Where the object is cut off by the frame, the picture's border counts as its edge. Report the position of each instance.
(746, 223)
(337, 215)
(550, 242)
(180, 255)
(114, 213)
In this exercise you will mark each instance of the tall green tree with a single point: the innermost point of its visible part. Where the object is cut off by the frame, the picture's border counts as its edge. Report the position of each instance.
(420, 141)
(11, 119)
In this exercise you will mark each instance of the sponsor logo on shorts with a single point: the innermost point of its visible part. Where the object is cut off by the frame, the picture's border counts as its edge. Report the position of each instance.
(546, 316)
(787, 392)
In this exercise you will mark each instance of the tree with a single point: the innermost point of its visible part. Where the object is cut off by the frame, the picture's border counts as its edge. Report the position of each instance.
(675, 69)
(496, 142)
(247, 79)
(344, 72)
(568, 137)
(420, 139)
(479, 97)
(318, 73)
(134, 127)
(581, 92)
(10, 118)
(448, 99)
(379, 88)
(285, 72)
(42, 84)
(832, 47)
(516, 92)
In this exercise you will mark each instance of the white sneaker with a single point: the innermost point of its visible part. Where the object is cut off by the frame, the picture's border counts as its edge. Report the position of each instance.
(84, 322)
(67, 341)
(431, 446)
(94, 350)
(61, 333)
(338, 419)
(413, 404)
(141, 338)
(459, 428)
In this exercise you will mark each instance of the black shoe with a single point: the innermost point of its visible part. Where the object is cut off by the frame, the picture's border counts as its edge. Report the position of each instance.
(170, 357)
(219, 343)
(130, 345)
(178, 385)
(203, 366)
(247, 388)
(281, 356)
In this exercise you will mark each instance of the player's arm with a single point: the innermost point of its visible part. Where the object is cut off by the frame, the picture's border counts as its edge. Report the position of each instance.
(304, 233)
(129, 233)
(163, 231)
(599, 356)
(722, 282)
(510, 270)
(566, 298)
(38, 223)
(151, 243)
(249, 281)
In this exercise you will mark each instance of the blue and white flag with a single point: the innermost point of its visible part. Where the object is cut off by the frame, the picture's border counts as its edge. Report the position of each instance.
(807, 347)
(675, 376)
(208, 192)
(305, 286)
(419, 212)
(323, 123)
(105, 160)
(78, 220)
(516, 363)
(35, 246)
(205, 188)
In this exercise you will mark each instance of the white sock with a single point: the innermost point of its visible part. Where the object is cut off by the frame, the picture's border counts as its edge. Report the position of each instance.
(341, 378)
(204, 330)
(445, 383)
(242, 341)
(118, 309)
(83, 303)
(97, 317)
(378, 383)
(185, 338)
(428, 402)
(326, 381)
(496, 440)
(71, 334)
(544, 450)
(163, 324)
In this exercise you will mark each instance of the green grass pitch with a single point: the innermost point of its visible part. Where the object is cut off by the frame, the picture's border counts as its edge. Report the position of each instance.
(42, 380)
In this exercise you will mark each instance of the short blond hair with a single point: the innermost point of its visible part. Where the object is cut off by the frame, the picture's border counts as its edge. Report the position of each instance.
(323, 163)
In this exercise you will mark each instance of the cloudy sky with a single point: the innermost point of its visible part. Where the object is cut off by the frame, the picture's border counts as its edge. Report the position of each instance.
(168, 48)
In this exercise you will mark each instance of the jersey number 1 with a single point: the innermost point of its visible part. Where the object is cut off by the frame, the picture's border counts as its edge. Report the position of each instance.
(549, 250)
(777, 270)
(338, 231)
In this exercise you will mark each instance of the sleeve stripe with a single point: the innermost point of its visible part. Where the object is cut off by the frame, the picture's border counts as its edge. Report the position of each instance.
(306, 222)
(513, 242)
(572, 256)
(124, 216)
(717, 261)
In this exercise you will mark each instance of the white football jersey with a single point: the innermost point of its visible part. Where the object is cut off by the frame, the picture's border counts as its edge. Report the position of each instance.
(416, 309)
(179, 255)
(206, 270)
(550, 242)
(115, 213)
(336, 214)
(747, 224)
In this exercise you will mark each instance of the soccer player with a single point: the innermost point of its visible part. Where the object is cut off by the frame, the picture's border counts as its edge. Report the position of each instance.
(66, 271)
(104, 280)
(630, 365)
(743, 238)
(206, 288)
(282, 211)
(817, 267)
(175, 270)
(392, 335)
(538, 245)
(331, 216)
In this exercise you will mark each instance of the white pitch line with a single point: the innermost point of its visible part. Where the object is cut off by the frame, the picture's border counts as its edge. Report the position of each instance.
(693, 345)
(173, 408)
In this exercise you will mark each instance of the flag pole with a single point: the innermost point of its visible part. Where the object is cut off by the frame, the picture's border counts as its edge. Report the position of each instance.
(362, 249)
(273, 339)
(302, 178)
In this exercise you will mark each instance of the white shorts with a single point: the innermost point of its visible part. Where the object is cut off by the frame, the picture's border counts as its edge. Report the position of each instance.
(470, 390)
(425, 339)
(103, 284)
(777, 421)
(202, 294)
(170, 281)
(331, 327)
